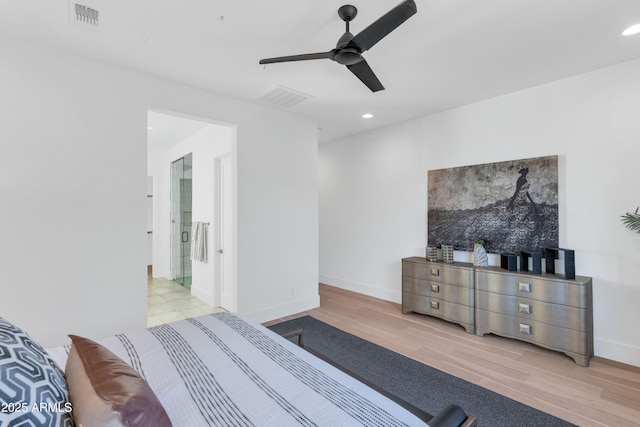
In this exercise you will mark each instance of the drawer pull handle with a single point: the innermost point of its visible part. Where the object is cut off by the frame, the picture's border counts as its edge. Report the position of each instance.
(524, 287)
(435, 305)
(435, 288)
(435, 271)
(525, 329)
(524, 308)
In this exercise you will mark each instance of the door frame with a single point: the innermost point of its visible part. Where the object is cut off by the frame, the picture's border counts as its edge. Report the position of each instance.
(224, 250)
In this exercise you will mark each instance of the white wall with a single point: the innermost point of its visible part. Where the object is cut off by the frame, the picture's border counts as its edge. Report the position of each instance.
(277, 219)
(73, 191)
(373, 189)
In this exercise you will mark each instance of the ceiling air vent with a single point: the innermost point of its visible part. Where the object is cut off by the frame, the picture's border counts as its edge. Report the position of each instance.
(284, 97)
(83, 16)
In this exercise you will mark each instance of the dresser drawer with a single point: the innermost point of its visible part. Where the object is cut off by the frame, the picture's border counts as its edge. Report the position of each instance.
(438, 271)
(563, 292)
(452, 293)
(533, 310)
(572, 342)
(458, 313)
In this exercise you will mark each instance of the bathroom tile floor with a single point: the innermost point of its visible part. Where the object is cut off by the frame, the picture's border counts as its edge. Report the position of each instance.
(168, 301)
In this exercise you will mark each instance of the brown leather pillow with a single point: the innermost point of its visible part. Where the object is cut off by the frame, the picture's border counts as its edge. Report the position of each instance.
(104, 391)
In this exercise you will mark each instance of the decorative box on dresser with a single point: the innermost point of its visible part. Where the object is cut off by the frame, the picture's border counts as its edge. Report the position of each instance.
(439, 289)
(545, 310)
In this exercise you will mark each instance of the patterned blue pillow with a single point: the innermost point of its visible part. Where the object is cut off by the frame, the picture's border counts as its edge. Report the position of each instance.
(33, 391)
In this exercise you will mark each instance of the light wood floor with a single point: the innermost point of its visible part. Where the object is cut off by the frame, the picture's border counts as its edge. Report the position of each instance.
(604, 394)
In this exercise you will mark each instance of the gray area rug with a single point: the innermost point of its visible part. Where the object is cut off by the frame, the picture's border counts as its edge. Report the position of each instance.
(427, 388)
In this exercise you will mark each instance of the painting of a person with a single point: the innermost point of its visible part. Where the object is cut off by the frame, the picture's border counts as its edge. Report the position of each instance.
(522, 188)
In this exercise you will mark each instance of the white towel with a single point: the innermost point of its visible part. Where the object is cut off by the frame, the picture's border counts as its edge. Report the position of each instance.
(199, 241)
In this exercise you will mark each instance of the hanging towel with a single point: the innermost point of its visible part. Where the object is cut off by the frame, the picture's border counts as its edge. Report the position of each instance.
(199, 241)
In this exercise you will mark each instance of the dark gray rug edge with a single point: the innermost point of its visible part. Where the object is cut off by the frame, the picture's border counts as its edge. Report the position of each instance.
(411, 380)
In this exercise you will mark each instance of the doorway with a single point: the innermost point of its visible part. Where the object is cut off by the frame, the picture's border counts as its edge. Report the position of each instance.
(189, 149)
(181, 212)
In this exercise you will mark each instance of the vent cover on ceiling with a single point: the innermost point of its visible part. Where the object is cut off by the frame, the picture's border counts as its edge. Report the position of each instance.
(83, 16)
(284, 97)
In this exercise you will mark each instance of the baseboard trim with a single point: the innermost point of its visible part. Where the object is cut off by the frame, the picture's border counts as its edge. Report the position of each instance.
(362, 288)
(617, 352)
(203, 295)
(278, 311)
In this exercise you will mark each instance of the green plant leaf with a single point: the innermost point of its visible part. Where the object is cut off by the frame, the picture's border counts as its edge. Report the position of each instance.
(631, 220)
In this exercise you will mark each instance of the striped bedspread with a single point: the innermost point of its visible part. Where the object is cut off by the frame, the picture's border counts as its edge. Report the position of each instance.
(225, 370)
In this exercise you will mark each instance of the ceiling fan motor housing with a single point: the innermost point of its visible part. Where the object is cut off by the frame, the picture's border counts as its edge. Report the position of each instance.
(348, 56)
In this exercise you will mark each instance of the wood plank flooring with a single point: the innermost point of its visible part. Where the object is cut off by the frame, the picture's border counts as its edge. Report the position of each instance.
(606, 393)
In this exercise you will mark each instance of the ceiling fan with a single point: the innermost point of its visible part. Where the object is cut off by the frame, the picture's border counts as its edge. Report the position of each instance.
(349, 49)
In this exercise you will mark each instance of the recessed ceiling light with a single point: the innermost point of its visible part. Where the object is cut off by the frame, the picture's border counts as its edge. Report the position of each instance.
(367, 116)
(632, 30)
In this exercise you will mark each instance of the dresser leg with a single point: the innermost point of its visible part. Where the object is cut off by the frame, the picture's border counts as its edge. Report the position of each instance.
(579, 359)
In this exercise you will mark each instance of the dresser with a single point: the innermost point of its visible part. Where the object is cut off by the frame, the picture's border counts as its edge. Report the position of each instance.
(540, 309)
(439, 289)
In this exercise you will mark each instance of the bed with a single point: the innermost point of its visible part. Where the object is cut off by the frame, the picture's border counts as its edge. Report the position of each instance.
(220, 369)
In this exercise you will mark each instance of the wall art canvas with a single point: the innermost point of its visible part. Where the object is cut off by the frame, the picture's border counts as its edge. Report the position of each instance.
(511, 206)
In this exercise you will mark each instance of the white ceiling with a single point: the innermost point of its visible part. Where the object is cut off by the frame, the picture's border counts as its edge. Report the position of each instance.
(166, 130)
(451, 53)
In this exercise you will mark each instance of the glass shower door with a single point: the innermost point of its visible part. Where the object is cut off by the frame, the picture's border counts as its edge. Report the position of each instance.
(181, 202)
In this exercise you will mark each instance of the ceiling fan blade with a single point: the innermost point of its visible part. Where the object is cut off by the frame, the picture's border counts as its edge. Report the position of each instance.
(375, 32)
(304, 57)
(366, 75)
